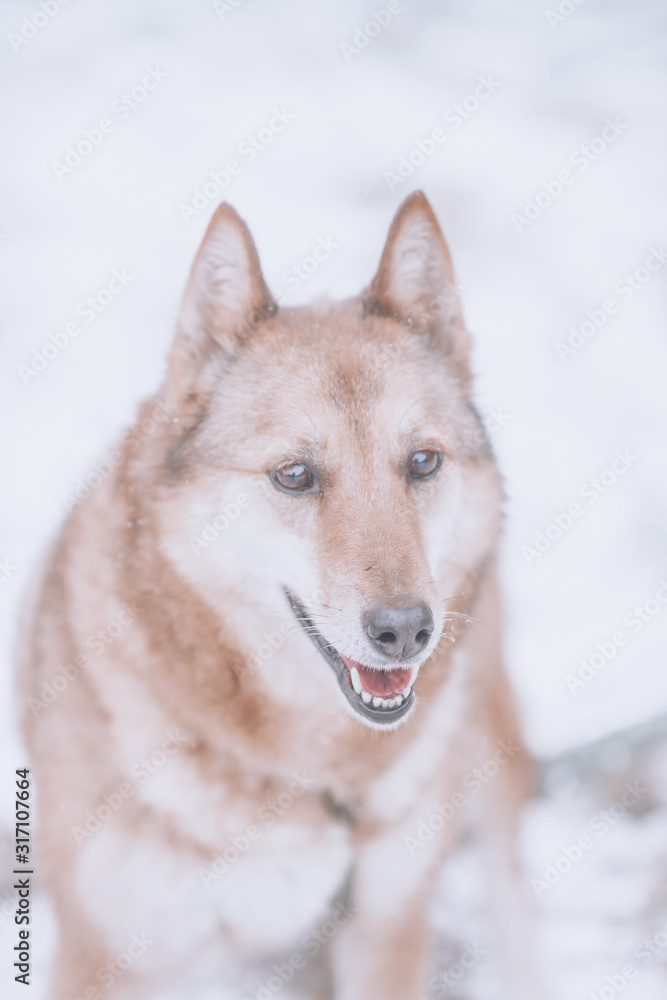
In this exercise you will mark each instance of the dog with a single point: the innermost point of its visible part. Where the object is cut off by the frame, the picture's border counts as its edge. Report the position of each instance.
(265, 654)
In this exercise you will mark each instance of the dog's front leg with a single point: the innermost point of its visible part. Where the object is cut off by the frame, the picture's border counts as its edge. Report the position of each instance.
(384, 953)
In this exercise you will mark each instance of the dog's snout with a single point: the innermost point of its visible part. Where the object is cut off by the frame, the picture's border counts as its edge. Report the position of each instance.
(399, 632)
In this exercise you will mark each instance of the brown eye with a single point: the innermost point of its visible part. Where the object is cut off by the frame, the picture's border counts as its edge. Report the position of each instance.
(295, 478)
(424, 464)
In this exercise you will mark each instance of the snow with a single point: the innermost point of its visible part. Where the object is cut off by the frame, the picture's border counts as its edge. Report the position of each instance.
(549, 89)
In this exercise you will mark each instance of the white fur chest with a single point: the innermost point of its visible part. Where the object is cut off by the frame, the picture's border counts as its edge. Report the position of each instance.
(211, 863)
(281, 886)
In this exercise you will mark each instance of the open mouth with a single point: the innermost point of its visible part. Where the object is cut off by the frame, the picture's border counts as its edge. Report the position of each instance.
(382, 696)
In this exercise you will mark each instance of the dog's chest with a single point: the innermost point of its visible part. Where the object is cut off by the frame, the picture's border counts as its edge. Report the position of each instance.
(267, 864)
(259, 889)
(272, 890)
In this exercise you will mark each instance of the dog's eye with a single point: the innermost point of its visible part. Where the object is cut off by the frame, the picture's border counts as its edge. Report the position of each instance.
(295, 478)
(424, 464)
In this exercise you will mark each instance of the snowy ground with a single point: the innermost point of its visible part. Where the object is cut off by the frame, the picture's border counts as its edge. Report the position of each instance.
(558, 421)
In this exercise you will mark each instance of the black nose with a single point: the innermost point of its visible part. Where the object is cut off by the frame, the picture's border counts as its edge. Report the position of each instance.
(400, 632)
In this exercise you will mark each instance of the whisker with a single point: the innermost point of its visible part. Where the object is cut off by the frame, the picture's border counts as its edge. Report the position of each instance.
(329, 645)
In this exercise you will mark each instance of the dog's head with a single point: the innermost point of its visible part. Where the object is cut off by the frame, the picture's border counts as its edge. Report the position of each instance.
(332, 464)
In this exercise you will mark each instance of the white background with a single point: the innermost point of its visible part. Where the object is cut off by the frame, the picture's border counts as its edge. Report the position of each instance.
(325, 176)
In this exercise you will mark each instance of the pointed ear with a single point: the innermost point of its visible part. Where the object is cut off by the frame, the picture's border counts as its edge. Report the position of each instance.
(226, 295)
(415, 281)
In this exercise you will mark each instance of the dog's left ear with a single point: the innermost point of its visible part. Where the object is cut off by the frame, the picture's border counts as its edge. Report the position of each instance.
(415, 281)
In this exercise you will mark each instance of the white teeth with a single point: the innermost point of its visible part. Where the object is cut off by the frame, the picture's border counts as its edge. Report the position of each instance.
(356, 680)
(413, 678)
(382, 702)
(390, 702)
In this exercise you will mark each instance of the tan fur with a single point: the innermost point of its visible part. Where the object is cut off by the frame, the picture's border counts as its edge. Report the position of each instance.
(352, 388)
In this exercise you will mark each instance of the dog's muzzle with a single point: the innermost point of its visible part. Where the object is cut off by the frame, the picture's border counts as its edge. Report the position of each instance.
(381, 696)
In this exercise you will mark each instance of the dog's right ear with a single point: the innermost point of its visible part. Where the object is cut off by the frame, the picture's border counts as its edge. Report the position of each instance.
(225, 298)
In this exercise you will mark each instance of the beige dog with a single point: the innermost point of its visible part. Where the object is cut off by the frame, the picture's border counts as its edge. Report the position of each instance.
(263, 669)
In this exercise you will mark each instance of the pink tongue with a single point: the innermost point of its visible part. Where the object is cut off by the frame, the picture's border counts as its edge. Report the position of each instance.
(382, 683)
